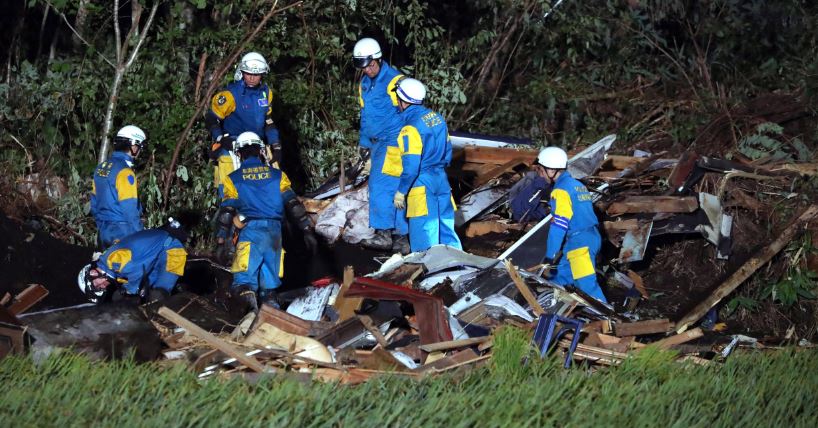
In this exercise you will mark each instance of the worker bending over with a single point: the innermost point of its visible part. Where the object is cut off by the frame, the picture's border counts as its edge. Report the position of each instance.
(574, 222)
(114, 200)
(380, 125)
(145, 264)
(424, 188)
(261, 194)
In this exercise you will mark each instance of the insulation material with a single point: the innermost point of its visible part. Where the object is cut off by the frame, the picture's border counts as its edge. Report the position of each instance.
(347, 218)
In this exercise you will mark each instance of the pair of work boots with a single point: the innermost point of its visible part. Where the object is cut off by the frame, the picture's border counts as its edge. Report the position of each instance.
(385, 240)
(245, 300)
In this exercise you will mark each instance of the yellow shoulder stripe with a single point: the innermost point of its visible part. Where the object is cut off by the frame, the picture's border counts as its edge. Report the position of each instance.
(125, 184)
(409, 141)
(361, 95)
(390, 89)
(562, 203)
(222, 104)
(117, 260)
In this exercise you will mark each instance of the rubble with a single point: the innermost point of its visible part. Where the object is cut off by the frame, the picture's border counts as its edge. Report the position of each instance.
(436, 311)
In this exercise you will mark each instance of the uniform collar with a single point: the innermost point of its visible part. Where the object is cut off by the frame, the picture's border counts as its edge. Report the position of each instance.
(253, 161)
(246, 88)
(124, 156)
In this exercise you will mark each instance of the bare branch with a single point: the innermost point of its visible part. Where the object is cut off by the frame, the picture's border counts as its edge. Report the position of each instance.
(79, 36)
(117, 34)
(143, 35)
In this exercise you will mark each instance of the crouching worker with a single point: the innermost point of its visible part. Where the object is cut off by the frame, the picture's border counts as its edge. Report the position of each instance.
(261, 195)
(145, 264)
(574, 222)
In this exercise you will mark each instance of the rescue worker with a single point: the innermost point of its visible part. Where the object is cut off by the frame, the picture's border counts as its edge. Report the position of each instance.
(245, 105)
(145, 264)
(380, 125)
(114, 200)
(424, 189)
(574, 222)
(262, 195)
(527, 198)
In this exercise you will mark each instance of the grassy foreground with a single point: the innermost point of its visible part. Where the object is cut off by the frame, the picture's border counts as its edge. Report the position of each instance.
(753, 389)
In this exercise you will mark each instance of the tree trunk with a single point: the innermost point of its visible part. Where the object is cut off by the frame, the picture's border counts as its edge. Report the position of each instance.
(79, 24)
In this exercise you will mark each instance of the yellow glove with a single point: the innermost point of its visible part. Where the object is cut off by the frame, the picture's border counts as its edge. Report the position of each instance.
(367, 167)
(399, 201)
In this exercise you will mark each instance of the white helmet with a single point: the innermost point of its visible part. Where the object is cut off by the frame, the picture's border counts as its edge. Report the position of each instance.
(86, 283)
(253, 63)
(131, 135)
(553, 158)
(246, 139)
(411, 90)
(365, 51)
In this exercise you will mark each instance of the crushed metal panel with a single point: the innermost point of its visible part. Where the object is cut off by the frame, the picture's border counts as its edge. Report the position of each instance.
(442, 257)
(310, 307)
(461, 139)
(529, 250)
(718, 231)
(635, 243)
(480, 200)
(588, 161)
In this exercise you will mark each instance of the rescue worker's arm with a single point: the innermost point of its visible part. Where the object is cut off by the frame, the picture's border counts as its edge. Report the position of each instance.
(365, 139)
(562, 212)
(411, 148)
(221, 105)
(93, 197)
(171, 266)
(296, 212)
(127, 197)
(231, 194)
(270, 130)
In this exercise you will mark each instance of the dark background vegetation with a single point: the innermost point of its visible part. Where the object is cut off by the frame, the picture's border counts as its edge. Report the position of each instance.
(654, 72)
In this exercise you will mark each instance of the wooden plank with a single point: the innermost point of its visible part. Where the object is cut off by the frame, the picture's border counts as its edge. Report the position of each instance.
(621, 162)
(346, 306)
(211, 340)
(638, 283)
(759, 259)
(639, 328)
(453, 344)
(28, 298)
(6, 298)
(315, 206)
(466, 355)
(479, 228)
(654, 204)
(496, 172)
(372, 328)
(523, 288)
(496, 155)
(278, 318)
(678, 339)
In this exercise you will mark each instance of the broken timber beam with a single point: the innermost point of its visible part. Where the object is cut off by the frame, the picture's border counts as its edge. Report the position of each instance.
(759, 259)
(495, 155)
(452, 344)
(485, 177)
(28, 298)
(524, 290)
(678, 339)
(346, 306)
(643, 327)
(212, 340)
(654, 204)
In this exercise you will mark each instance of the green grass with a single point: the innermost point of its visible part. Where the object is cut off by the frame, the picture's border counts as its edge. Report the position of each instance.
(751, 389)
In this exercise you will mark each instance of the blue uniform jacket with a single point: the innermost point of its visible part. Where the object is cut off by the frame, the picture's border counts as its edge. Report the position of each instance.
(525, 197)
(258, 191)
(424, 143)
(379, 106)
(151, 254)
(573, 212)
(240, 108)
(113, 192)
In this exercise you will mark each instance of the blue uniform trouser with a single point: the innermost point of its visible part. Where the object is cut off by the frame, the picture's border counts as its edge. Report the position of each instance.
(576, 266)
(110, 232)
(258, 256)
(430, 209)
(384, 177)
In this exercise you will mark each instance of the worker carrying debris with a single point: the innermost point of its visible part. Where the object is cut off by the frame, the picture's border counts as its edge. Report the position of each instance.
(425, 153)
(380, 125)
(261, 194)
(114, 202)
(527, 197)
(145, 264)
(574, 222)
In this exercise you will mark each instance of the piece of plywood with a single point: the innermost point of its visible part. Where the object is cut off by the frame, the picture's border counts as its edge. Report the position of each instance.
(301, 346)
(496, 155)
(453, 344)
(479, 228)
(346, 306)
(643, 327)
(27, 298)
(653, 204)
(678, 339)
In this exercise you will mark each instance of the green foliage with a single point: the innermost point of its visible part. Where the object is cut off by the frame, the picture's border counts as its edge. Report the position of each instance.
(748, 389)
(797, 283)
